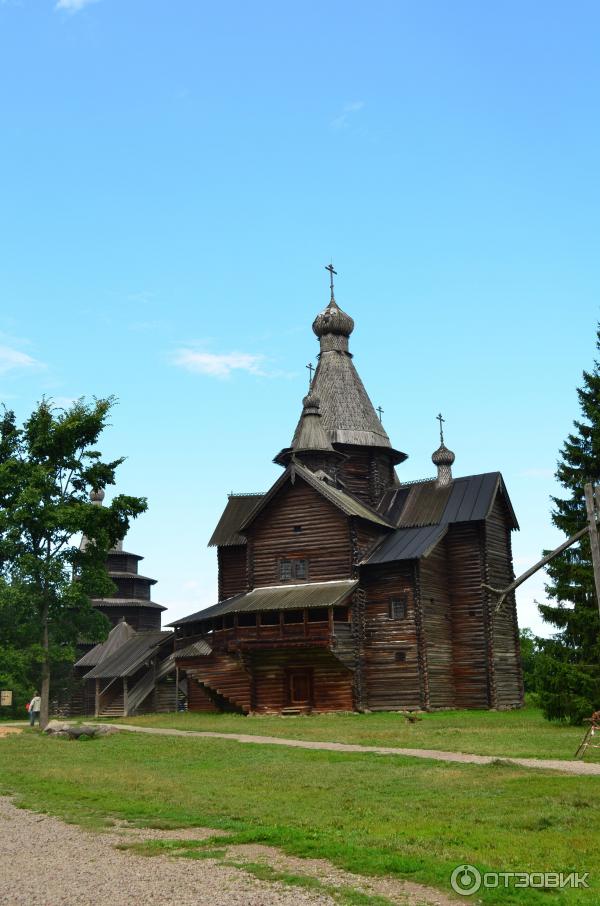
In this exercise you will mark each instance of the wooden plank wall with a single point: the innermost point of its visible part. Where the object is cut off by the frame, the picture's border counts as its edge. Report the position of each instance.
(470, 643)
(437, 627)
(389, 683)
(508, 681)
(233, 572)
(324, 540)
(332, 682)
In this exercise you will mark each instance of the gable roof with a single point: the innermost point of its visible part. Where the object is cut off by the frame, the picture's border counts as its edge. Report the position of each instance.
(239, 507)
(118, 635)
(277, 597)
(130, 656)
(347, 503)
(422, 511)
(467, 499)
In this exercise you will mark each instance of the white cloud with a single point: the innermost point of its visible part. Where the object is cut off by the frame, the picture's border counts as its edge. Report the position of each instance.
(73, 6)
(15, 360)
(219, 366)
(341, 120)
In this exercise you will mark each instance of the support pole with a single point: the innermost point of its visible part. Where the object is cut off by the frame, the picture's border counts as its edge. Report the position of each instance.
(503, 592)
(97, 699)
(125, 698)
(590, 505)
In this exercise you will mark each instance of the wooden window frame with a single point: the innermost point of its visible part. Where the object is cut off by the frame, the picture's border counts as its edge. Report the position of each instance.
(399, 601)
(293, 568)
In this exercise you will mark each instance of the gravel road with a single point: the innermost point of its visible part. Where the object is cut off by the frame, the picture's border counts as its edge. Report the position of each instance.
(46, 862)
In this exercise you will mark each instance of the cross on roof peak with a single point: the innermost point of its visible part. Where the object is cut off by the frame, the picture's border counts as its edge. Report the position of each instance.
(441, 420)
(329, 267)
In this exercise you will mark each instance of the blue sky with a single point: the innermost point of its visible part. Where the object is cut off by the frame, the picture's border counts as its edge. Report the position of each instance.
(174, 176)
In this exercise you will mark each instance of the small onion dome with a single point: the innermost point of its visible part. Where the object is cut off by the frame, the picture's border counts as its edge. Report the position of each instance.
(443, 456)
(311, 404)
(333, 320)
(97, 496)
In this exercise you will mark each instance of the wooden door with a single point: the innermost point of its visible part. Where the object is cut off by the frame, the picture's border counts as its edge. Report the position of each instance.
(300, 687)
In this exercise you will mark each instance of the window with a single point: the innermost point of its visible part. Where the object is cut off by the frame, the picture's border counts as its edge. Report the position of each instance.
(340, 614)
(270, 618)
(246, 619)
(285, 570)
(301, 570)
(317, 615)
(400, 656)
(228, 621)
(293, 569)
(218, 623)
(297, 528)
(398, 608)
(293, 616)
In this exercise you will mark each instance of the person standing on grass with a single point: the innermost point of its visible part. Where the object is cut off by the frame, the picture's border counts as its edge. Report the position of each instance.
(35, 706)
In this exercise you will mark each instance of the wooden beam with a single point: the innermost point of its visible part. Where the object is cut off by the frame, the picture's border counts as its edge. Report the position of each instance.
(590, 505)
(503, 592)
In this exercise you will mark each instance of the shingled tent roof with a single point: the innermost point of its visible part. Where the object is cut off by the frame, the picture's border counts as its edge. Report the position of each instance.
(239, 507)
(422, 511)
(344, 501)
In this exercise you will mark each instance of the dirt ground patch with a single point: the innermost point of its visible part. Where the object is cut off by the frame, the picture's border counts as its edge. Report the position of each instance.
(7, 731)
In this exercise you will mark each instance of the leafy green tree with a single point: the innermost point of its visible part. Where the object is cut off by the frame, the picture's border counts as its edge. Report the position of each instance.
(529, 653)
(47, 469)
(568, 667)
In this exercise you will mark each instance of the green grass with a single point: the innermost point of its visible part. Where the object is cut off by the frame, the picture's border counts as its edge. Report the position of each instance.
(374, 815)
(522, 733)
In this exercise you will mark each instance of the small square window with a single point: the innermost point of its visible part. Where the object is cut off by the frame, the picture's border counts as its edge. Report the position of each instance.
(400, 656)
(297, 528)
(398, 608)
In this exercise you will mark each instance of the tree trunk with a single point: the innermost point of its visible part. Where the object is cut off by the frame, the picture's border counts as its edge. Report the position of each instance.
(45, 690)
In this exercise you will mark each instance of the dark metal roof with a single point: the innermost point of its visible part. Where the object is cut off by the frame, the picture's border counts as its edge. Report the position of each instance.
(239, 507)
(467, 499)
(278, 597)
(196, 649)
(118, 635)
(407, 544)
(345, 502)
(130, 656)
(126, 602)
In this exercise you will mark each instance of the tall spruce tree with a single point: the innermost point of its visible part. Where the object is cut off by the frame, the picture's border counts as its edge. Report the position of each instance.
(47, 469)
(568, 666)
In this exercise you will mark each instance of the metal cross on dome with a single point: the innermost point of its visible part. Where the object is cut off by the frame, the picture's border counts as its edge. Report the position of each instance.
(441, 420)
(329, 267)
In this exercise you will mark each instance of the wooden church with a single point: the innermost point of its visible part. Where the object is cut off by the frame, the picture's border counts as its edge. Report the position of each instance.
(344, 588)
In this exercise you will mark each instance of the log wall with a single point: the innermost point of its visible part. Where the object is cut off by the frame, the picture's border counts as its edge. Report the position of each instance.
(470, 642)
(225, 674)
(233, 572)
(324, 539)
(390, 684)
(506, 659)
(331, 681)
(437, 627)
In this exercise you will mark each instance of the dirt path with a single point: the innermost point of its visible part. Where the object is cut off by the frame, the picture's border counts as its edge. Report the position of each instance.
(46, 862)
(545, 764)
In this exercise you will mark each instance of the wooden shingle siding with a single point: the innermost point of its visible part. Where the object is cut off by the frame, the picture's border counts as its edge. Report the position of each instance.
(470, 645)
(436, 611)
(233, 571)
(390, 684)
(324, 539)
(504, 628)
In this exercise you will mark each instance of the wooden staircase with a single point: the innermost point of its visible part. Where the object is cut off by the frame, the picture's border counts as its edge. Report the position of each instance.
(114, 708)
(226, 681)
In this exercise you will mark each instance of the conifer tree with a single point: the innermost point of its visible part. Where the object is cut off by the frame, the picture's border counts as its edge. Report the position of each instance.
(568, 667)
